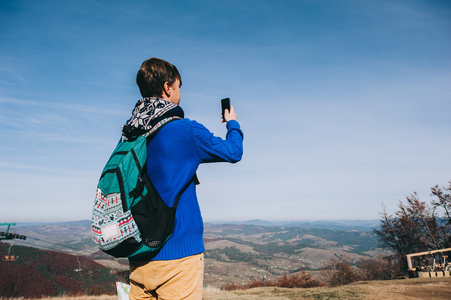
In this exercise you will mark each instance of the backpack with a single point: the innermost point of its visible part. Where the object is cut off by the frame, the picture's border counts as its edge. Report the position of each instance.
(129, 217)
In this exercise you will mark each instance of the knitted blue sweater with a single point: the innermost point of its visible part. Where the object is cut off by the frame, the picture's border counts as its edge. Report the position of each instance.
(173, 158)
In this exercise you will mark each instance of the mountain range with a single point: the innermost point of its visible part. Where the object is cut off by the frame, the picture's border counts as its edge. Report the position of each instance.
(235, 251)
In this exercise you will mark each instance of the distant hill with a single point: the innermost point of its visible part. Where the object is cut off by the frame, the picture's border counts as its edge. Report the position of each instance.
(236, 251)
(358, 225)
(41, 273)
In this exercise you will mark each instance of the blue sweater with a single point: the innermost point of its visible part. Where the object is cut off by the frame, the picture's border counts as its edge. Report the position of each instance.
(173, 158)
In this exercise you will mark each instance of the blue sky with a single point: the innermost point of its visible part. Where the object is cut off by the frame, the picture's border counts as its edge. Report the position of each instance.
(345, 105)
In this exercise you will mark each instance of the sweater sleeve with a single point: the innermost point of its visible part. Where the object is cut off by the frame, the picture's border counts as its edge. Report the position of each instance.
(210, 148)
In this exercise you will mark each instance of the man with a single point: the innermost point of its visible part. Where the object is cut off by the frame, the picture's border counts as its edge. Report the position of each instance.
(174, 155)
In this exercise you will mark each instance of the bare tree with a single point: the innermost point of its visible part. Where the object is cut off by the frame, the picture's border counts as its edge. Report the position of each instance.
(443, 203)
(339, 272)
(417, 226)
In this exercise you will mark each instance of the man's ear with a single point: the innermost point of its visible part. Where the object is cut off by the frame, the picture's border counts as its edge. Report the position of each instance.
(167, 89)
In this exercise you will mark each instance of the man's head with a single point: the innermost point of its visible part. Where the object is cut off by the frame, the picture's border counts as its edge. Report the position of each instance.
(158, 78)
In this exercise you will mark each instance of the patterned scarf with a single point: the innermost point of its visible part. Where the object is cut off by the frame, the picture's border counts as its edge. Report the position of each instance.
(148, 112)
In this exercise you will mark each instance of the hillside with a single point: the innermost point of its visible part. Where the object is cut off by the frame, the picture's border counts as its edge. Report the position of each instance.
(236, 252)
(36, 273)
(240, 253)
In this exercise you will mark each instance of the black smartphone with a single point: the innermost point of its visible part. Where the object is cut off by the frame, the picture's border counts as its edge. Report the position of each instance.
(225, 104)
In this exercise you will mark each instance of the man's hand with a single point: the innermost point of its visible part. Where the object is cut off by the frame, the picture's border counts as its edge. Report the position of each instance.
(229, 115)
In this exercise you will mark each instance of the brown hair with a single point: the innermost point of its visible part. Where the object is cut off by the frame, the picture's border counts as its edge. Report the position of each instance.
(153, 74)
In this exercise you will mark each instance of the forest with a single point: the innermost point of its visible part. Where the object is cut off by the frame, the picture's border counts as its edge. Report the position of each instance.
(35, 273)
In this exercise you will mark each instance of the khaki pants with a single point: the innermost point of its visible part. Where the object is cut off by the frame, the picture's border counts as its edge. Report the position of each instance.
(165, 280)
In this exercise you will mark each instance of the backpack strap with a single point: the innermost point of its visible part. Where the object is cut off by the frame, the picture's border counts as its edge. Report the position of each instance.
(152, 132)
(196, 179)
(196, 182)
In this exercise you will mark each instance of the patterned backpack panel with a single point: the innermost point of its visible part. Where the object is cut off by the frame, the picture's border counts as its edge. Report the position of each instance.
(110, 224)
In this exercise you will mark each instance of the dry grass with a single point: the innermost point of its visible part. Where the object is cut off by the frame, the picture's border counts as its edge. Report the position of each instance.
(408, 289)
(297, 293)
(102, 297)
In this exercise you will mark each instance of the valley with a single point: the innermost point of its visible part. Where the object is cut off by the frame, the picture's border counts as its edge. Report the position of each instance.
(235, 253)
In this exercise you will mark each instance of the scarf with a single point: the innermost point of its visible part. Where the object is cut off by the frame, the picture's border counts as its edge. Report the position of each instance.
(147, 113)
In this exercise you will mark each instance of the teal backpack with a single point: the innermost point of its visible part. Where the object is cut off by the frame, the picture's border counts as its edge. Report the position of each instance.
(129, 217)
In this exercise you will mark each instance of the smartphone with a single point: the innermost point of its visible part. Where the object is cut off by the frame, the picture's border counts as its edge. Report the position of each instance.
(225, 104)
